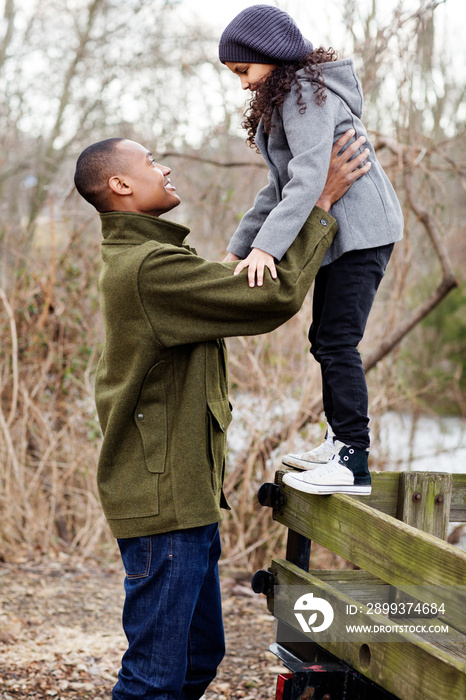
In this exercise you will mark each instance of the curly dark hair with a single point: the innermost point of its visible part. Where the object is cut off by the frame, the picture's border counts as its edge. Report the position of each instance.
(272, 91)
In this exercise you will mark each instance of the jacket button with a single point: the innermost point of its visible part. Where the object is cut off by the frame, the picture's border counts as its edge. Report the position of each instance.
(140, 416)
(323, 222)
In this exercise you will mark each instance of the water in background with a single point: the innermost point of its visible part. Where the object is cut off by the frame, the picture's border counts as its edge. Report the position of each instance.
(423, 443)
(403, 442)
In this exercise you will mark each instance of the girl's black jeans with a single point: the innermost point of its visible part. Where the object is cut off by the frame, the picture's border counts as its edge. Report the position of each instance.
(344, 292)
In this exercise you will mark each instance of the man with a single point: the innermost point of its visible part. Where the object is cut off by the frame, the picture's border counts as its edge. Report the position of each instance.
(162, 400)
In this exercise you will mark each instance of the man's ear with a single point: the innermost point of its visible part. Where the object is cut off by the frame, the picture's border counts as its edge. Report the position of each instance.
(119, 186)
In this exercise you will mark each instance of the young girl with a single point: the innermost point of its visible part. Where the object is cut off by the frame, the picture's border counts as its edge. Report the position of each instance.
(303, 99)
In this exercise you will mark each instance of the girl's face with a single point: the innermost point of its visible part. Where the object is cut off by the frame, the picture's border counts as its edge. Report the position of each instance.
(250, 74)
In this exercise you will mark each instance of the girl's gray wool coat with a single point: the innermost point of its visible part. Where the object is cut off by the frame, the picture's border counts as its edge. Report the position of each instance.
(297, 152)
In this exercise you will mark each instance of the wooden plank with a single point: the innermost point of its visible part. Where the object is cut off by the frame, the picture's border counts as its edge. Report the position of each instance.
(360, 585)
(418, 563)
(424, 500)
(409, 667)
(458, 499)
(365, 588)
(384, 496)
(298, 550)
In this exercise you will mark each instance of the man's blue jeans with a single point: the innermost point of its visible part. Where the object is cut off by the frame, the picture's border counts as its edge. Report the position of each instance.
(172, 615)
(344, 292)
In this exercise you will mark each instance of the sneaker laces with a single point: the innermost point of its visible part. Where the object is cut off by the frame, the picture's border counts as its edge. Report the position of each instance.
(322, 471)
(327, 468)
(323, 447)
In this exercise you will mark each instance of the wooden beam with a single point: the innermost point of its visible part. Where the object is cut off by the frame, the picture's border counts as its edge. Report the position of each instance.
(458, 499)
(384, 496)
(298, 550)
(424, 500)
(418, 563)
(360, 585)
(385, 488)
(409, 667)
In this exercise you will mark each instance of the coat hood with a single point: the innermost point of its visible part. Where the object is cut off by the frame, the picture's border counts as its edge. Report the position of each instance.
(340, 78)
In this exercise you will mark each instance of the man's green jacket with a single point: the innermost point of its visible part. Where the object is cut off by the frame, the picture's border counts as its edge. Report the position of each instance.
(161, 386)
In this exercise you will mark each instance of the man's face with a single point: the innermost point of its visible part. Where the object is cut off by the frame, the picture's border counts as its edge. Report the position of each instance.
(152, 191)
(250, 74)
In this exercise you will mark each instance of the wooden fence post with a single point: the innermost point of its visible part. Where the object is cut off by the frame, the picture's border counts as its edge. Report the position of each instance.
(298, 549)
(424, 501)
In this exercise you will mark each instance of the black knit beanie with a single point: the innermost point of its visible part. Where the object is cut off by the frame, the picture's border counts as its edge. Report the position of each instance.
(263, 34)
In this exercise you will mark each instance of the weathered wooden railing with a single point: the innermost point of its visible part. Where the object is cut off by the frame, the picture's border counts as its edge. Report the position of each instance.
(397, 538)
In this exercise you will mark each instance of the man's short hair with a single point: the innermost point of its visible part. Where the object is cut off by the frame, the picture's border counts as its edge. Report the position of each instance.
(95, 166)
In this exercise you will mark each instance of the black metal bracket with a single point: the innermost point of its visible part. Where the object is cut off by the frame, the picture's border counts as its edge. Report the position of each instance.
(263, 582)
(271, 496)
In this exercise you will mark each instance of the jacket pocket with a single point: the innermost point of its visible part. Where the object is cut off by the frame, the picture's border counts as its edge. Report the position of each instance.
(218, 419)
(151, 419)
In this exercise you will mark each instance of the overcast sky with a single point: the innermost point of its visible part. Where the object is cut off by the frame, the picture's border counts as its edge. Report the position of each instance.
(319, 21)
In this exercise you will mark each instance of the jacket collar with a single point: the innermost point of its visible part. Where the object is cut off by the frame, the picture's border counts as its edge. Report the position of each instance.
(128, 228)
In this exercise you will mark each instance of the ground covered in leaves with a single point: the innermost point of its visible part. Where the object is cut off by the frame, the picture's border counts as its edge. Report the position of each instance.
(61, 636)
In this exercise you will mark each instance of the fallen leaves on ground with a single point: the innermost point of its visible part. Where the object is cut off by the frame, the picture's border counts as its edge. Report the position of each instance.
(61, 635)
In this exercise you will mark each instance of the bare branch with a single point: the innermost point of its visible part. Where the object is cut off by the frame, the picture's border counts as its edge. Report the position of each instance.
(209, 161)
(9, 17)
(14, 170)
(14, 356)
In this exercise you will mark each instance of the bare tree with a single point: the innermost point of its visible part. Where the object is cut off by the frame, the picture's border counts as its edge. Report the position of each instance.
(111, 65)
(137, 69)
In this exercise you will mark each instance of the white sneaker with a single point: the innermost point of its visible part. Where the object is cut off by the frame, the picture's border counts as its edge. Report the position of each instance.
(333, 477)
(316, 457)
